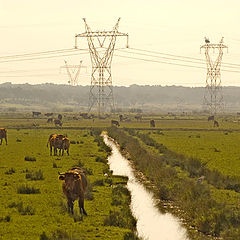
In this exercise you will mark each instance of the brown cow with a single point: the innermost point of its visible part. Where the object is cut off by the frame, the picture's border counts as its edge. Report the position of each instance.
(152, 123)
(114, 122)
(57, 122)
(50, 120)
(215, 123)
(3, 134)
(74, 187)
(65, 145)
(55, 142)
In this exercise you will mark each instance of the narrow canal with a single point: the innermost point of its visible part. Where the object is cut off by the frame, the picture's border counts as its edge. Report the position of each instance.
(151, 224)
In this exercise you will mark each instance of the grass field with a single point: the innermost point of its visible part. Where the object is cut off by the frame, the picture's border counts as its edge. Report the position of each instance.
(34, 216)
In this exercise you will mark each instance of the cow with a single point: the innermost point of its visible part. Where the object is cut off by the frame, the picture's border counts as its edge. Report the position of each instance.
(152, 123)
(36, 114)
(58, 141)
(215, 123)
(3, 134)
(74, 186)
(138, 117)
(55, 142)
(48, 114)
(60, 117)
(50, 120)
(211, 118)
(58, 122)
(120, 117)
(114, 122)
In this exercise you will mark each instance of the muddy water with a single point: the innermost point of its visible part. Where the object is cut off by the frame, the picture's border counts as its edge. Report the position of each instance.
(151, 224)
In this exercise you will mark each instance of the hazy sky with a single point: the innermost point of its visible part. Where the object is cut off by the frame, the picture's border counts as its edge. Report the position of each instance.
(174, 27)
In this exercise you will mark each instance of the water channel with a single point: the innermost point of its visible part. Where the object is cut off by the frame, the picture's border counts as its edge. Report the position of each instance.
(151, 224)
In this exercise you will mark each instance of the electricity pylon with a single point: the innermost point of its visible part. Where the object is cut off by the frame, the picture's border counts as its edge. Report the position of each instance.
(101, 53)
(213, 98)
(73, 72)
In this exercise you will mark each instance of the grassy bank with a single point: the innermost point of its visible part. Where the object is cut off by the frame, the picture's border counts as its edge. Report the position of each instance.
(32, 203)
(197, 201)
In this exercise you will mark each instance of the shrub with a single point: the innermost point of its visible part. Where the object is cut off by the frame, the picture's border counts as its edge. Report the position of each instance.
(31, 159)
(55, 165)
(24, 189)
(10, 171)
(89, 192)
(99, 182)
(101, 159)
(43, 236)
(73, 142)
(28, 210)
(38, 175)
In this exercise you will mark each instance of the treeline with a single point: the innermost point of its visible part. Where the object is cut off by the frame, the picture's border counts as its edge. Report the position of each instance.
(176, 98)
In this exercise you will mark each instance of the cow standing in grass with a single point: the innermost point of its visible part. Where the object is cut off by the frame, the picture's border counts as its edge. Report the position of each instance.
(58, 122)
(152, 123)
(114, 122)
(58, 141)
(215, 123)
(74, 187)
(3, 134)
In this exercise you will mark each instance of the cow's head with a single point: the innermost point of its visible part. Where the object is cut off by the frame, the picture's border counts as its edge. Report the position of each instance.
(70, 177)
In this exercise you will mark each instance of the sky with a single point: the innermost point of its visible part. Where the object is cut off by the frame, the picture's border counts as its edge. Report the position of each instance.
(172, 27)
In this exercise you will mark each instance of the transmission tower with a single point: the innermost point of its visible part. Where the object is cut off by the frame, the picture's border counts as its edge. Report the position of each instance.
(101, 47)
(73, 72)
(213, 98)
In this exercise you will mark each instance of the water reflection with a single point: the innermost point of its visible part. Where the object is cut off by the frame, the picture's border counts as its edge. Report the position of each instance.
(151, 224)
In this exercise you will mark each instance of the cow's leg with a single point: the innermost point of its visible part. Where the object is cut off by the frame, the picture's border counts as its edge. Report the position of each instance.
(70, 206)
(68, 152)
(81, 206)
(55, 151)
(6, 140)
(1, 141)
(50, 151)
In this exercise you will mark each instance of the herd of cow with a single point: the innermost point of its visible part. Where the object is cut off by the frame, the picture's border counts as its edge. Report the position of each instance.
(75, 181)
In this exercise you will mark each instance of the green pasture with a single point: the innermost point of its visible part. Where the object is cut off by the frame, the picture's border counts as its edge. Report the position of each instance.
(20, 120)
(29, 216)
(219, 150)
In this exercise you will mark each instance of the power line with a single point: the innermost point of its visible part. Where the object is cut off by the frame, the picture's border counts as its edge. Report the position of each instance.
(170, 63)
(42, 53)
(180, 56)
(45, 57)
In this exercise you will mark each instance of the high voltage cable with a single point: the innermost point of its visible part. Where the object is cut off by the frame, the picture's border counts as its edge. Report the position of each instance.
(170, 63)
(174, 59)
(179, 56)
(44, 57)
(42, 53)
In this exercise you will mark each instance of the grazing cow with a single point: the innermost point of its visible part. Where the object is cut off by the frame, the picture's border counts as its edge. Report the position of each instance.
(152, 123)
(215, 123)
(74, 187)
(55, 142)
(138, 117)
(120, 117)
(48, 114)
(3, 134)
(116, 123)
(58, 122)
(210, 118)
(50, 120)
(75, 118)
(36, 114)
(59, 116)
(65, 145)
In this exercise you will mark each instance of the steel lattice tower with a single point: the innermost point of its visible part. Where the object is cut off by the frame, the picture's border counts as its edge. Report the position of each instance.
(73, 72)
(213, 98)
(101, 53)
